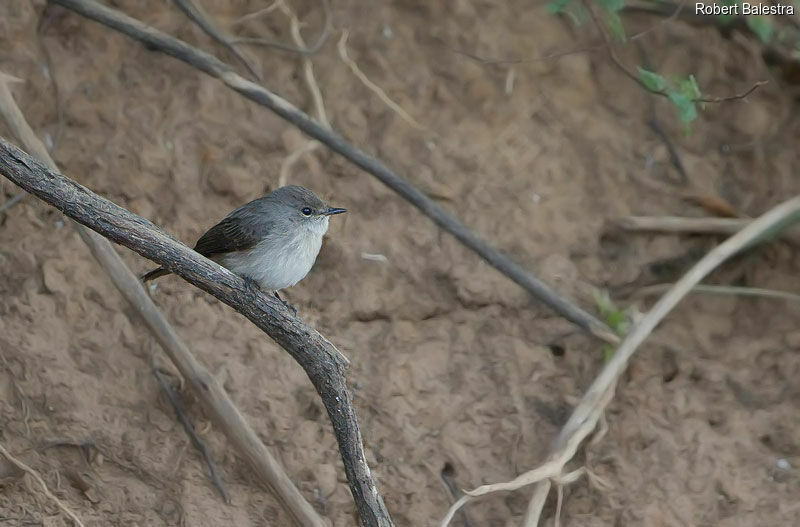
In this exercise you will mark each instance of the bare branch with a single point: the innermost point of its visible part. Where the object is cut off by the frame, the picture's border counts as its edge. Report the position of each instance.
(204, 22)
(214, 399)
(321, 361)
(175, 401)
(587, 414)
(36, 477)
(631, 75)
(258, 14)
(377, 90)
(733, 290)
(313, 88)
(299, 49)
(684, 225)
(209, 64)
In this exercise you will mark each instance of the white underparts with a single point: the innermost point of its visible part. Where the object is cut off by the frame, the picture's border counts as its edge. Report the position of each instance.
(281, 259)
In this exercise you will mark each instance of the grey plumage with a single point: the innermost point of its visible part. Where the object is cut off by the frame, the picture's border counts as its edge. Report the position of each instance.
(272, 240)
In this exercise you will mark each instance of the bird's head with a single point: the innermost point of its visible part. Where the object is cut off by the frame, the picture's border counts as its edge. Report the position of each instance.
(298, 206)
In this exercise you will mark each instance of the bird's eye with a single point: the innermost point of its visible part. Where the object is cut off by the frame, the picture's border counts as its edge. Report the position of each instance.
(306, 211)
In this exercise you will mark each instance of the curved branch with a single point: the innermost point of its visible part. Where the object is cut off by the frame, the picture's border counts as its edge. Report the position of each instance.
(322, 362)
(212, 66)
(216, 401)
(300, 49)
(197, 15)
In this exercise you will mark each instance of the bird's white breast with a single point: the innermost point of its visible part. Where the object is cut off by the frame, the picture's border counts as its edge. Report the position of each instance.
(281, 259)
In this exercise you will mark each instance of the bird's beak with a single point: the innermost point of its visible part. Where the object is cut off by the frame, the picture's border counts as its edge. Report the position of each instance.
(332, 211)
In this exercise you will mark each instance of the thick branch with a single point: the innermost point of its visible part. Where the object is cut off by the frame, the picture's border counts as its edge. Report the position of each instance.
(321, 361)
(215, 400)
(209, 64)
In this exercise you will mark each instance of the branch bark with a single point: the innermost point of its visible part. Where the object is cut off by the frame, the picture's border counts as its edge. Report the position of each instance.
(212, 66)
(215, 400)
(322, 362)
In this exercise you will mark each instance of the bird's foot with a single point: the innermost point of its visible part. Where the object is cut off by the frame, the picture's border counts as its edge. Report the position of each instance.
(285, 303)
(251, 282)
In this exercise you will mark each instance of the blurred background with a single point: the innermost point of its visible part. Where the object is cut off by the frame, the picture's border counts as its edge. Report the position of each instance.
(515, 117)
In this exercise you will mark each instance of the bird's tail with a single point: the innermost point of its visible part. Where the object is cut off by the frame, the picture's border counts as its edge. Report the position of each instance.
(155, 273)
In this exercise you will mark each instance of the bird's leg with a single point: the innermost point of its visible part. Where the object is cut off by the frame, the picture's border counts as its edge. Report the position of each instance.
(285, 303)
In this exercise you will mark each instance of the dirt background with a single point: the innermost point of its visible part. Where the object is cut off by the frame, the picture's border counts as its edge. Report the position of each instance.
(451, 363)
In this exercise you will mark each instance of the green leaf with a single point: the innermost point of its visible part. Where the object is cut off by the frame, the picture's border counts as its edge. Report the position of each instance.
(578, 14)
(612, 6)
(557, 6)
(761, 26)
(687, 109)
(608, 352)
(603, 301)
(575, 11)
(652, 80)
(615, 25)
(727, 19)
(692, 90)
(617, 320)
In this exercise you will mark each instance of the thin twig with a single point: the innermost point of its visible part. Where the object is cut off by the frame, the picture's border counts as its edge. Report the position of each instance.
(674, 158)
(257, 14)
(447, 478)
(658, 289)
(316, 96)
(208, 389)
(586, 414)
(23, 399)
(493, 61)
(322, 362)
(35, 475)
(300, 50)
(203, 21)
(679, 224)
(684, 225)
(589, 410)
(51, 73)
(661, 23)
(631, 75)
(12, 201)
(377, 90)
(290, 160)
(198, 443)
(283, 108)
(308, 66)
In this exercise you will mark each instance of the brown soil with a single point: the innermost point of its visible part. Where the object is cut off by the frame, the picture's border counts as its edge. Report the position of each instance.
(451, 363)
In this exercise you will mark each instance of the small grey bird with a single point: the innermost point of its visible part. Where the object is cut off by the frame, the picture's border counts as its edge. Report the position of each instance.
(273, 241)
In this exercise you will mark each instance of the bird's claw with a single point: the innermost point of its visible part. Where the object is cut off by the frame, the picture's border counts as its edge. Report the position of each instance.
(287, 304)
(252, 283)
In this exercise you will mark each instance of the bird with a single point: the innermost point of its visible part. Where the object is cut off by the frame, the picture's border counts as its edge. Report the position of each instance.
(271, 241)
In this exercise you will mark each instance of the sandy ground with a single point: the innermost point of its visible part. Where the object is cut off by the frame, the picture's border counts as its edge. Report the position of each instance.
(452, 365)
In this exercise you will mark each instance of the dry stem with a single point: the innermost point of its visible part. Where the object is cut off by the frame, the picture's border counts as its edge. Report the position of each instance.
(35, 475)
(588, 412)
(299, 49)
(197, 15)
(377, 90)
(316, 96)
(658, 289)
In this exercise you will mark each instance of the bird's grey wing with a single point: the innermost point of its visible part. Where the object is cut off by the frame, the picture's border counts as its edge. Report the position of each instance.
(231, 234)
